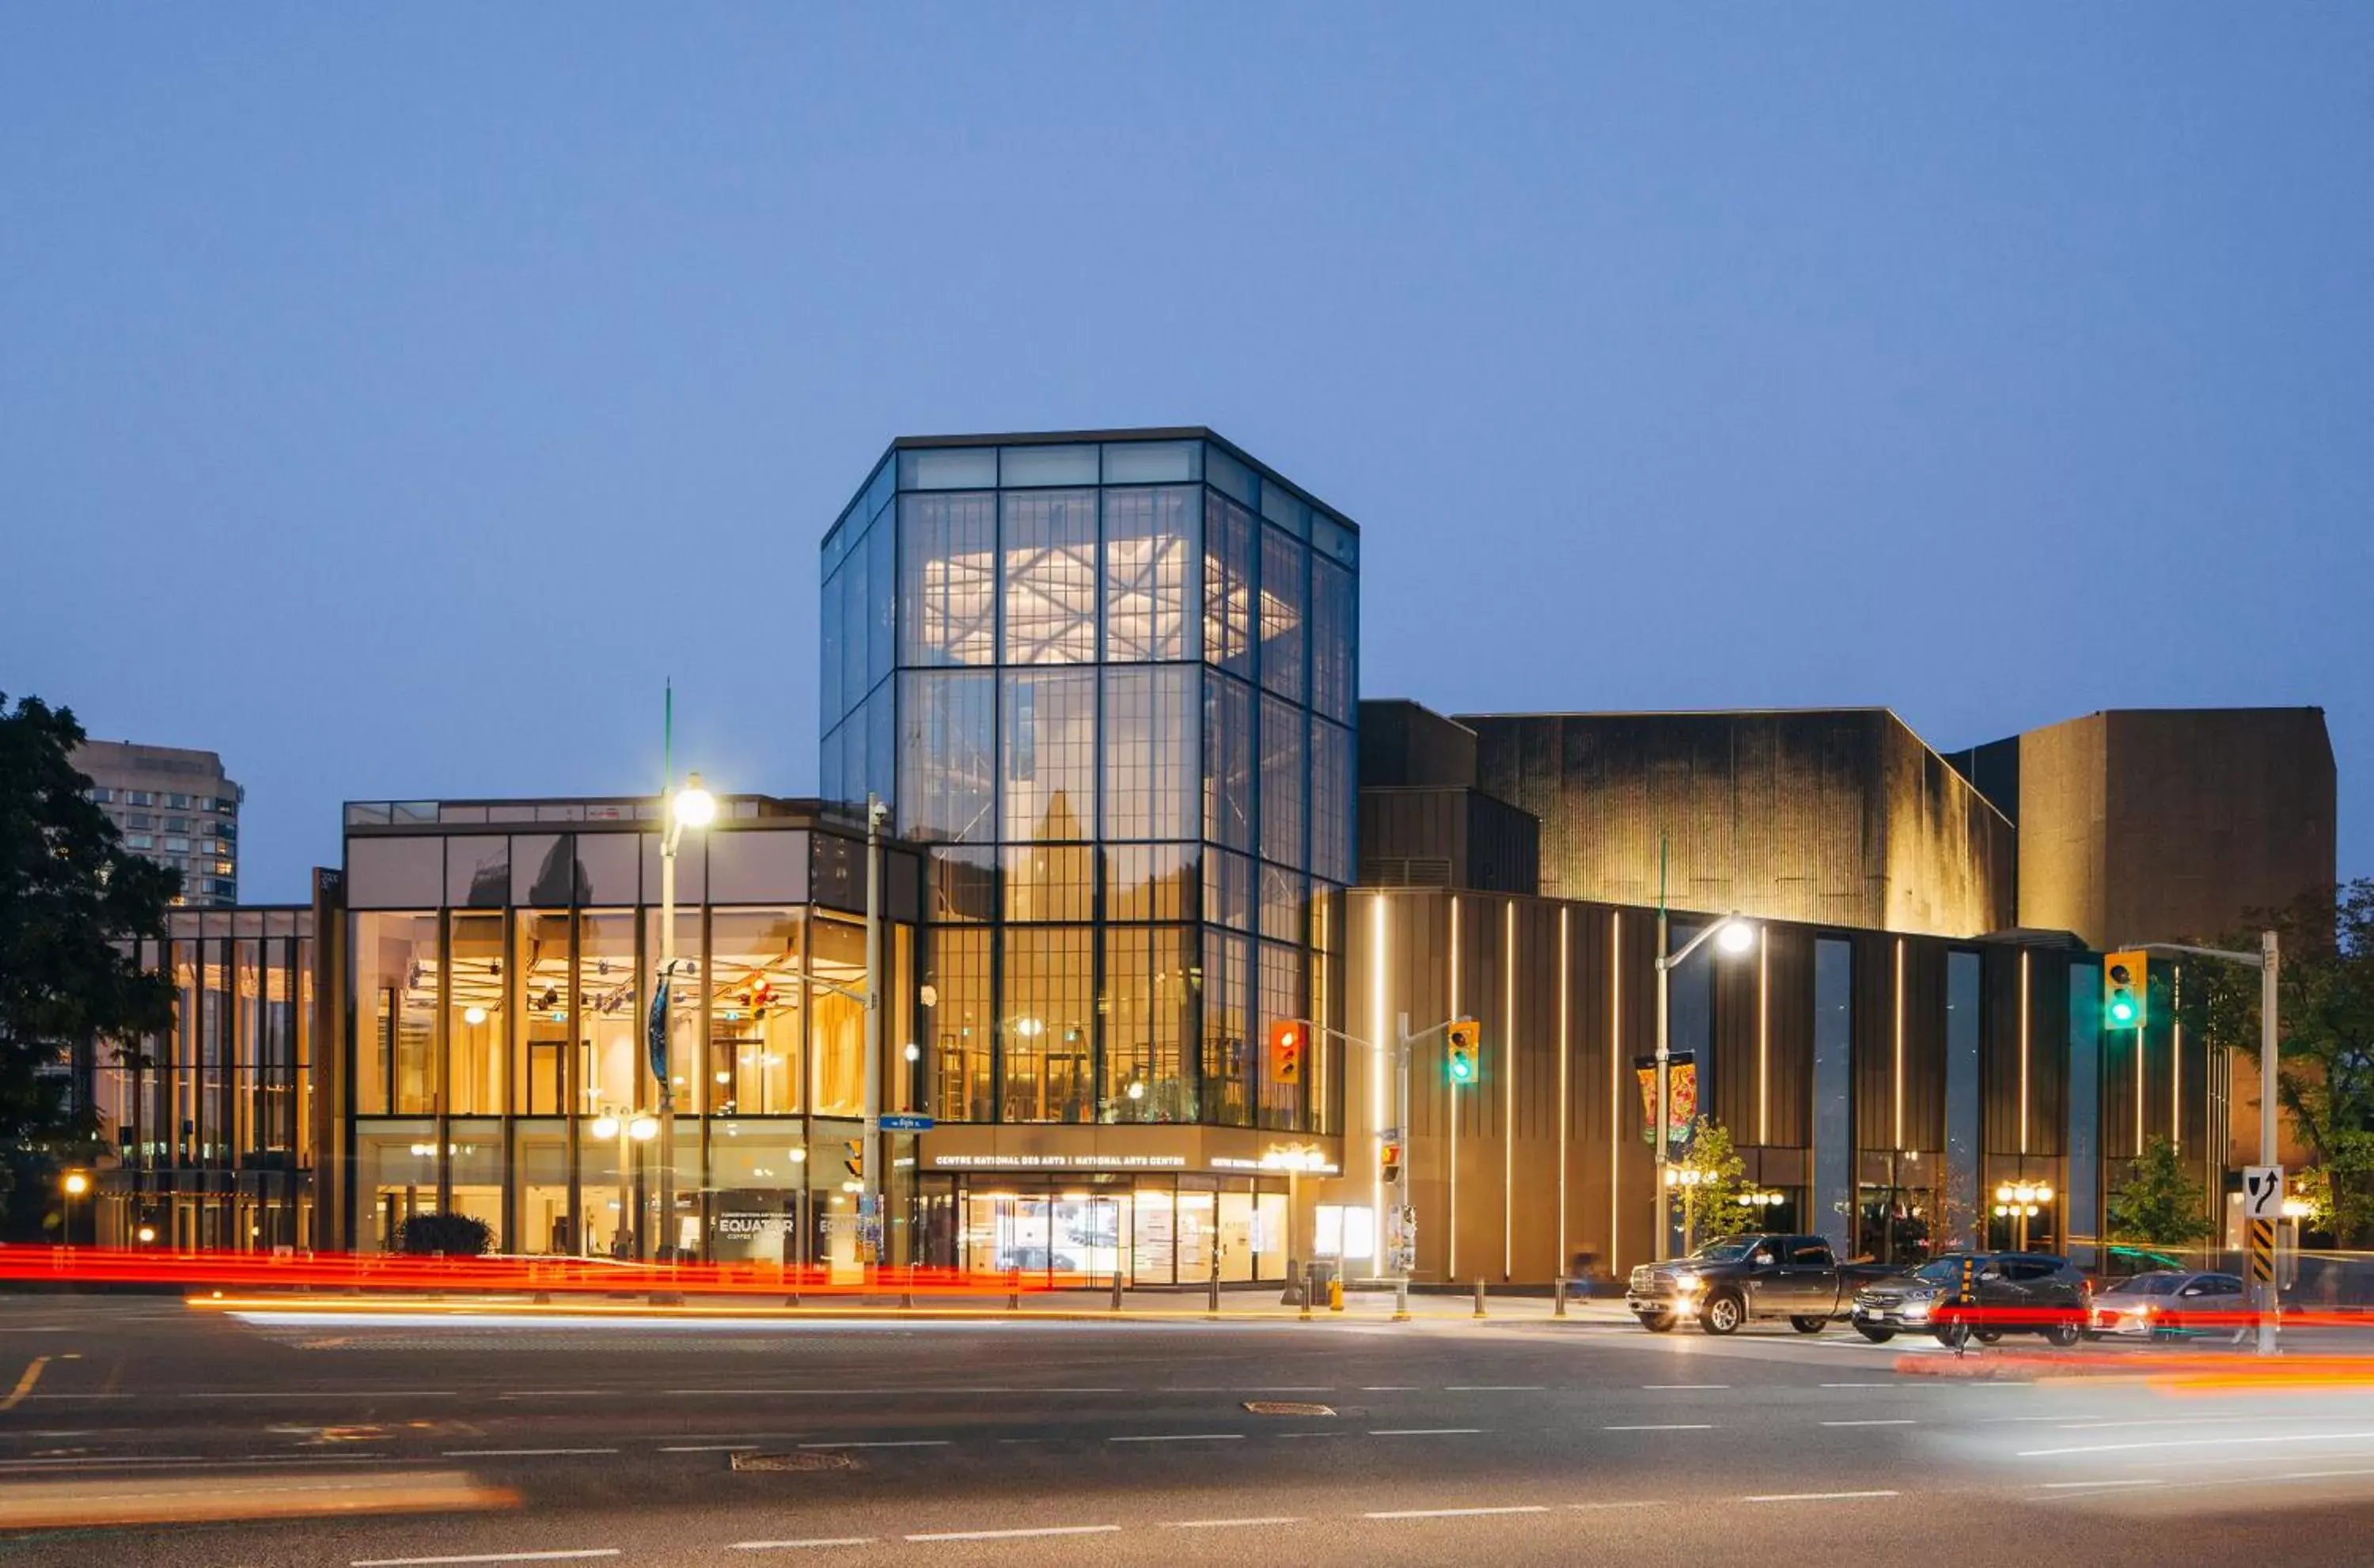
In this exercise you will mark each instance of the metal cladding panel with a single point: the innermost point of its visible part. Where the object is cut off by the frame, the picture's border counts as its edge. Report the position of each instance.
(1839, 817)
(2000, 1076)
(1789, 1046)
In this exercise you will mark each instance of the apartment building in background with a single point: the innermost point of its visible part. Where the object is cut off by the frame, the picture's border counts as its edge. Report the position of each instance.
(175, 806)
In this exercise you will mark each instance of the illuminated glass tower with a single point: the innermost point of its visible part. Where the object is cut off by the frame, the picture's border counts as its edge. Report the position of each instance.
(1109, 681)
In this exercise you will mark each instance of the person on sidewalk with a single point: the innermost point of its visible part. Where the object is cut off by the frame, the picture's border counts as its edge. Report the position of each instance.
(1579, 1278)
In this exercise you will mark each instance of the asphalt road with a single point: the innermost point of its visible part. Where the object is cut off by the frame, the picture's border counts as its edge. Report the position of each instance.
(1445, 1441)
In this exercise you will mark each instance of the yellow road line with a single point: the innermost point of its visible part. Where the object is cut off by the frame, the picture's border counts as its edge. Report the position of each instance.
(25, 1384)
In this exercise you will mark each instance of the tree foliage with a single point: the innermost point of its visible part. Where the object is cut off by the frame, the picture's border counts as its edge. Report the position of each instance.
(455, 1235)
(2325, 1041)
(72, 903)
(1710, 1205)
(2161, 1204)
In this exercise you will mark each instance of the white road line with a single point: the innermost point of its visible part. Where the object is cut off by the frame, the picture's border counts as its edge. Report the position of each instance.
(1182, 1437)
(786, 1545)
(1676, 1388)
(1018, 1535)
(709, 1448)
(1311, 1434)
(1232, 1523)
(1627, 1503)
(885, 1442)
(517, 1453)
(1862, 1385)
(1388, 1387)
(2007, 1421)
(1423, 1431)
(1906, 1421)
(2092, 1485)
(1818, 1496)
(482, 1557)
(1493, 1387)
(2194, 1442)
(1453, 1513)
(1665, 1426)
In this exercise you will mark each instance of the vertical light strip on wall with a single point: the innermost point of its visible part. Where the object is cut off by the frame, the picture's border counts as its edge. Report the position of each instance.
(1565, 1117)
(2023, 1053)
(1763, 1034)
(1900, 1042)
(1508, 1094)
(1382, 1067)
(1450, 1100)
(2176, 1064)
(2143, 1052)
(1615, 1083)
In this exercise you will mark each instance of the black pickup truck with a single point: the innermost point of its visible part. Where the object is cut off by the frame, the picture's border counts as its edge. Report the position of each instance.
(1725, 1283)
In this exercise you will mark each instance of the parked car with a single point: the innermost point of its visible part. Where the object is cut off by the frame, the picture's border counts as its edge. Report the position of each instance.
(2170, 1303)
(2019, 1292)
(1037, 1260)
(1727, 1283)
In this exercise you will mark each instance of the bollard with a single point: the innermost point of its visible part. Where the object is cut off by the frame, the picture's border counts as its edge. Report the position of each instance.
(1558, 1298)
(907, 1300)
(1116, 1290)
(1304, 1297)
(1014, 1290)
(1212, 1295)
(1401, 1301)
(1334, 1296)
(1479, 1297)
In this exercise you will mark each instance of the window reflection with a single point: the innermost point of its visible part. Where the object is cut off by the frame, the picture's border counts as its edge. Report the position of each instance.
(1228, 585)
(1284, 561)
(1149, 740)
(1050, 733)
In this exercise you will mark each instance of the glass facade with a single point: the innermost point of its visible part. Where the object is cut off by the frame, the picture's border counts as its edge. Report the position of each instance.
(1109, 685)
(501, 987)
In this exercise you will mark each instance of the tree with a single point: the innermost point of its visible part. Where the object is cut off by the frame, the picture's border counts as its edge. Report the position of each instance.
(2161, 1204)
(72, 905)
(1712, 1178)
(2325, 1052)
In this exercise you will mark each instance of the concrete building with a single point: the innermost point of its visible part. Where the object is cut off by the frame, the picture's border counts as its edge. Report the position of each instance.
(1835, 816)
(175, 807)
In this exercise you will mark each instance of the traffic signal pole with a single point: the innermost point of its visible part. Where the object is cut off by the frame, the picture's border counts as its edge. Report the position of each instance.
(1404, 1212)
(2268, 961)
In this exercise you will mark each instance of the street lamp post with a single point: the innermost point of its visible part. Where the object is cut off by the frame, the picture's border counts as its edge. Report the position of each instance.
(627, 1128)
(691, 806)
(73, 1185)
(1736, 935)
(2020, 1201)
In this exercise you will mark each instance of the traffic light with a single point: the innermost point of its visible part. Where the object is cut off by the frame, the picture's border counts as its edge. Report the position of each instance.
(1393, 1165)
(1464, 1034)
(1285, 1052)
(853, 1153)
(2125, 990)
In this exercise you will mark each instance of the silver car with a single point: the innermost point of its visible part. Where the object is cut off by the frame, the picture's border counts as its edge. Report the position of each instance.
(2170, 1303)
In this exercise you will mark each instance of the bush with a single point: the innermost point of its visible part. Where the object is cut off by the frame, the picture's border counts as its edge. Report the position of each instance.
(455, 1235)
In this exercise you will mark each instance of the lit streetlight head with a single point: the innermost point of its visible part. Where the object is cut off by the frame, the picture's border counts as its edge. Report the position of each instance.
(693, 806)
(76, 1184)
(1736, 936)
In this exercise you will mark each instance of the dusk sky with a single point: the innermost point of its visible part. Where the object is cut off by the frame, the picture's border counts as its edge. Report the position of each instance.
(391, 398)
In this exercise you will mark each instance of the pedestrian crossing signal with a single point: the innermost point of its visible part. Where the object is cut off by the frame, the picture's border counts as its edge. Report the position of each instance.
(1465, 1036)
(853, 1158)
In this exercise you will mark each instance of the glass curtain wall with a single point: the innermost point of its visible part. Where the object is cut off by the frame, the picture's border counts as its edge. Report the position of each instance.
(500, 1064)
(1120, 682)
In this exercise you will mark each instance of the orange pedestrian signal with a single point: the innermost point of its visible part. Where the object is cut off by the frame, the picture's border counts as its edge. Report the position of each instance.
(1286, 1037)
(1393, 1163)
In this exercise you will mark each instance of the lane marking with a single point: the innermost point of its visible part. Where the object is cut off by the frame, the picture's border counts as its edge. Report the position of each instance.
(1232, 1523)
(1453, 1513)
(1388, 1387)
(1665, 1426)
(1861, 1385)
(1424, 1430)
(484, 1557)
(2092, 1485)
(1338, 1434)
(1818, 1496)
(1904, 1420)
(1627, 1503)
(1676, 1388)
(786, 1545)
(517, 1453)
(709, 1448)
(2193, 1443)
(1017, 1535)
(885, 1442)
(1182, 1437)
(25, 1384)
(1493, 1387)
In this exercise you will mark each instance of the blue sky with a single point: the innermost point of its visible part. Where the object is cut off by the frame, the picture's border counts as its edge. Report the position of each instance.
(390, 399)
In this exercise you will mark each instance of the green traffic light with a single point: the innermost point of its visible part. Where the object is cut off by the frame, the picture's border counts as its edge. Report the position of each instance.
(2123, 1009)
(1462, 1068)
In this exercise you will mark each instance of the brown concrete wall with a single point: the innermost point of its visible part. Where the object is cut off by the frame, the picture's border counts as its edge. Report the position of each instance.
(2063, 850)
(1839, 817)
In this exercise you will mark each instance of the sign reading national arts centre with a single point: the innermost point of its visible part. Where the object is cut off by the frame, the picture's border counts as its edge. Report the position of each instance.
(1058, 1161)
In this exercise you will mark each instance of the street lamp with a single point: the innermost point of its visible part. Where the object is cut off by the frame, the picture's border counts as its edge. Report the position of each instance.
(691, 806)
(2021, 1202)
(73, 1184)
(1734, 934)
(626, 1127)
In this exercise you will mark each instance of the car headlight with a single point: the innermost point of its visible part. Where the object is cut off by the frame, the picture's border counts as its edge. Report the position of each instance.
(1685, 1284)
(1919, 1306)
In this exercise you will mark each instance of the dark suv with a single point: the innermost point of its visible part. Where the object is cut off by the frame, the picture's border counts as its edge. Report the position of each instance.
(2019, 1292)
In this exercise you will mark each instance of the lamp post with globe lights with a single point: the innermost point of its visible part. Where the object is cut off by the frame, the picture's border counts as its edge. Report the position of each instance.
(628, 1129)
(2020, 1201)
(691, 806)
